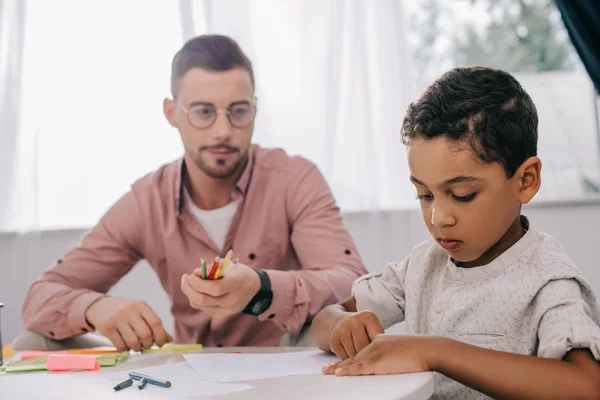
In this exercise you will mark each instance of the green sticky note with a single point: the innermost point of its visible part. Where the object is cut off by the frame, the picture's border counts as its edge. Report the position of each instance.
(33, 364)
(107, 360)
(122, 356)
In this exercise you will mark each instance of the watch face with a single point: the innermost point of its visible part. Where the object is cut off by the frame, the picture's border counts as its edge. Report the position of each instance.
(260, 306)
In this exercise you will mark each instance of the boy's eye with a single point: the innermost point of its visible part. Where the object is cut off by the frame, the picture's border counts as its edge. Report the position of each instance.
(466, 198)
(426, 197)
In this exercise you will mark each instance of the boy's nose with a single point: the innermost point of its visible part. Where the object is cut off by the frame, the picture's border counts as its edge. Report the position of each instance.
(441, 217)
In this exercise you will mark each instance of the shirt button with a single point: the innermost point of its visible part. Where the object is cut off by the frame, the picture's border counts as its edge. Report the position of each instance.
(439, 308)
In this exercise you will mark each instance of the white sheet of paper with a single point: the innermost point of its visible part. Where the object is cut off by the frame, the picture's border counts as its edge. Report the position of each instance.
(185, 383)
(45, 385)
(99, 386)
(245, 367)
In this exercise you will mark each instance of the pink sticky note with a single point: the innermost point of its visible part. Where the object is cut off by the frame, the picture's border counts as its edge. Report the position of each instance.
(27, 354)
(71, 362)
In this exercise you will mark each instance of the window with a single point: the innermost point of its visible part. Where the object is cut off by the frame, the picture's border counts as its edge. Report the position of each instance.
(333, 82)
(526, 38)
(94, 75)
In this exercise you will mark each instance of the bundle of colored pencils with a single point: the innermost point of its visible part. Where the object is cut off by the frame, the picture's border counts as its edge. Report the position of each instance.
(218, 267)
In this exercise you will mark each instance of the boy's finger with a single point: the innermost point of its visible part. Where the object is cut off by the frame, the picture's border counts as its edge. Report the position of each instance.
(338, 349)
(360, 339)
(374, 329)
(357, 368)
(349, 346)
(330, 369)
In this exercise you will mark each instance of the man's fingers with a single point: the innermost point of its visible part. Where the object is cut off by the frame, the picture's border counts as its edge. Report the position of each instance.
(195, 296)
(158, 331)
(116, 339)
(169, 338)
(197, 299)
(128, 335)
(141, 330)
(201, 305)
(214, 288)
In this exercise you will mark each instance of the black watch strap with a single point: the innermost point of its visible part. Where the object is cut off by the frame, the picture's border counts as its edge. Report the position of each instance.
(261, 300)
(265, 282)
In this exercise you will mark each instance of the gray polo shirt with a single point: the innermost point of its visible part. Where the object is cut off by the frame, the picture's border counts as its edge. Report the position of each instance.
(530, 300)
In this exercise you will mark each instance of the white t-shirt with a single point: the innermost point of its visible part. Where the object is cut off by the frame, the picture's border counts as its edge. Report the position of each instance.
(530, 300)
(216, 222)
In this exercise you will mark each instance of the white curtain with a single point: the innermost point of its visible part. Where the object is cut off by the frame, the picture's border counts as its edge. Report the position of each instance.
(12, 18)
(82, 97)
(333, 85)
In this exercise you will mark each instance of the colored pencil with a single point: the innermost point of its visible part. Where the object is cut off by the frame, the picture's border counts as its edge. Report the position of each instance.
(214, 267)
(203, 266)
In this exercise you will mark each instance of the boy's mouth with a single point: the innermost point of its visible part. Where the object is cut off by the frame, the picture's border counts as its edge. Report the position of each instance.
(450, 244)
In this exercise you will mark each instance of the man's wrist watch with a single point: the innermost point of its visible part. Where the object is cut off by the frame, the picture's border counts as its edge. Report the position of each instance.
(263, 299)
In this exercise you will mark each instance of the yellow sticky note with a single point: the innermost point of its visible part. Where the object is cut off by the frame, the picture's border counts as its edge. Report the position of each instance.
(174, 348)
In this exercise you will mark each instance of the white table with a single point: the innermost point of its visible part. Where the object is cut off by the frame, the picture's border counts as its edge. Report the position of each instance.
(408, 387)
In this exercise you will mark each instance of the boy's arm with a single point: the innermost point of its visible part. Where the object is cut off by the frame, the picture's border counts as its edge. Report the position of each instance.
(325, 321)
(504, 375)
(498, 374)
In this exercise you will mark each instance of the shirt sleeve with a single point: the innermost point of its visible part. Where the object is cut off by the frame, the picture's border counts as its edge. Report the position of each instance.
(570, 320)
(329, 259)
(56, 304)
(383, 293)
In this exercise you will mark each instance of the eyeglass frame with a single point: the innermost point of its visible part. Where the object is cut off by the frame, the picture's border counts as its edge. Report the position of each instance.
(221, 111)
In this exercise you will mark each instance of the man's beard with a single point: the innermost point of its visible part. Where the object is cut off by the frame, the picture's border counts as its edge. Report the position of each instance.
(218, 173)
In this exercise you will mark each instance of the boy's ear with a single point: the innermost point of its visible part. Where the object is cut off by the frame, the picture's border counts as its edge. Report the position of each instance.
(529, 179)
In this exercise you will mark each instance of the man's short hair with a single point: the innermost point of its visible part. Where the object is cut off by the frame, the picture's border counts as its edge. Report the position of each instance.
(211, 52)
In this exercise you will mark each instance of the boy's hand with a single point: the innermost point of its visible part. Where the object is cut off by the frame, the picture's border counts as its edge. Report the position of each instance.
(354, 332)
(388, 354)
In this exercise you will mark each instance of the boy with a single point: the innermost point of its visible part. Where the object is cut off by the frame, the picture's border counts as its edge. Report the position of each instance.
(495, 307)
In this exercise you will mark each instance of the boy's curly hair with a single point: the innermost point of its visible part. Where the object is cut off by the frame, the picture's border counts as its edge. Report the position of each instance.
(485, 107)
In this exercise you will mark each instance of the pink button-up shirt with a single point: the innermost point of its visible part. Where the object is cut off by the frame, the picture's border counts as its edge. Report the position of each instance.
(287, 223)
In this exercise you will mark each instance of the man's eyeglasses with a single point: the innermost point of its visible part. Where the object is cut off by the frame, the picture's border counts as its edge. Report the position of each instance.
(204, 115)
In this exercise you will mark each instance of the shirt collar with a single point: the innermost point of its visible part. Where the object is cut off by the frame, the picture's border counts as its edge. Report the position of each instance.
(241, 184)
(244, 180)
(511, 255)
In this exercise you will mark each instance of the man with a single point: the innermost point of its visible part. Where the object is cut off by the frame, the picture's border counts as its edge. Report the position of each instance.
(275, 211)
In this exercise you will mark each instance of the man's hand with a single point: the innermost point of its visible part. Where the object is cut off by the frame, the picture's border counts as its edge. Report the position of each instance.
(129, 324)
(353, 332)
(223, 297)
(387, 354)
